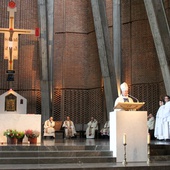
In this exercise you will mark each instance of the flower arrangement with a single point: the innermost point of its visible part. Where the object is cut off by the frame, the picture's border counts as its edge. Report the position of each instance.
(10, 133)
(32, 133)
(20, 134)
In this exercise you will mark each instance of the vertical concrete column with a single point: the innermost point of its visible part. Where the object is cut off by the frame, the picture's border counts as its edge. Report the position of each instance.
(103, 53)
(107, 39)
(117, 41)
(161, 35)
(45, 97)
(50, 24)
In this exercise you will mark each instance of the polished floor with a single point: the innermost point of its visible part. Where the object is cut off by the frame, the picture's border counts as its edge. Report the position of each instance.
(76, 141)
(83, 141)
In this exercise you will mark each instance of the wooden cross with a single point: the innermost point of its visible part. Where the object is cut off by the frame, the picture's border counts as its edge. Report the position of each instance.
(11, 36)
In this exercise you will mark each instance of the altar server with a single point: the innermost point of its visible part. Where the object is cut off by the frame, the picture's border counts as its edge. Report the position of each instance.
(151, 125)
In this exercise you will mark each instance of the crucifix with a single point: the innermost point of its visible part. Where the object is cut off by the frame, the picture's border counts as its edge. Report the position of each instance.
(11, 37)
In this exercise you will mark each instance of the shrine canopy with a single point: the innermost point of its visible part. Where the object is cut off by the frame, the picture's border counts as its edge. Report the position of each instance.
(12, 102)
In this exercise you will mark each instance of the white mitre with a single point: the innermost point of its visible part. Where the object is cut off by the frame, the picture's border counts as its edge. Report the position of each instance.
(124, 86)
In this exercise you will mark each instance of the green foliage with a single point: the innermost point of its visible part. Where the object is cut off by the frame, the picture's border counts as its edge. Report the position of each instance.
(20, 134)
(10, 133)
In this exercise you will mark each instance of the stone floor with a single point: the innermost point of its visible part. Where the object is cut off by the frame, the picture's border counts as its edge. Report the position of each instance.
(160, 165)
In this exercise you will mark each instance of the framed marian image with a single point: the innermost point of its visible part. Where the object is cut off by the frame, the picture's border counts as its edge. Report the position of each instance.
(10, 103)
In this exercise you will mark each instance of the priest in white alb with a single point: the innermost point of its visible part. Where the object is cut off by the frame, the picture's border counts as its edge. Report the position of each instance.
(92, 126)
(49, 128)
(105, 131)
(69, 127)
(166, 118)
(158, 133)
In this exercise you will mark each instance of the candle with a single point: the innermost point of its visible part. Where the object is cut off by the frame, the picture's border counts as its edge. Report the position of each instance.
(148, 139)
(124, 138)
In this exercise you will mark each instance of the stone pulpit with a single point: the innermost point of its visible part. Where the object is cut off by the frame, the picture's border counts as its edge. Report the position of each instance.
(133, 124)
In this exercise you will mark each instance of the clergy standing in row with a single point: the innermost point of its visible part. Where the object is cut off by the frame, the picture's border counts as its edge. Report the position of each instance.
(158, 132)
(166, 118)
(162, 126)
(91, 127)
(69, 128)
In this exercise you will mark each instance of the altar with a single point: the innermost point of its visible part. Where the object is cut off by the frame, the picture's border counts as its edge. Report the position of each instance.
(19, 122)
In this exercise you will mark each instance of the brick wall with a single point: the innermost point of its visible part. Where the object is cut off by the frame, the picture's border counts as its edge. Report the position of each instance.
(78, 88)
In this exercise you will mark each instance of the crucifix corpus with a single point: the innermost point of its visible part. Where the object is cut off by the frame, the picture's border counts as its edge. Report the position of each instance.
(11, 37)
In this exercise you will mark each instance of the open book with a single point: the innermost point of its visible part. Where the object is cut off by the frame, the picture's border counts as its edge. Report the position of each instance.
(129, 106)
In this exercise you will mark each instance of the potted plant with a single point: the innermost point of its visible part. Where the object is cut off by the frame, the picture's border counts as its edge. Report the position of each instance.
(11, 136)
(20, 135)
(32, 135)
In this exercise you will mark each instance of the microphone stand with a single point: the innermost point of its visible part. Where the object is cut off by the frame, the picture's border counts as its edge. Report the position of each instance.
(133, 98)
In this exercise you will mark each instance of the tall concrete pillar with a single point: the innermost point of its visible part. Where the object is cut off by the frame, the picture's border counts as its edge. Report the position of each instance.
(50, 24)
(104, 50)
(45, 97)
(117, 41)
(161, 35)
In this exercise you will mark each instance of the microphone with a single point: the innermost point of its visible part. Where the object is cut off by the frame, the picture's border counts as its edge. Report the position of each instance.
(133, 98)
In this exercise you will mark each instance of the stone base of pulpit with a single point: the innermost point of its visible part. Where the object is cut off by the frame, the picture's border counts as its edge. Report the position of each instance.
(134, 125)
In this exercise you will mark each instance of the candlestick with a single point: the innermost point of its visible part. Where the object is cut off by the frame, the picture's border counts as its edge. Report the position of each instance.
(124, 160)
(148, 139)
(148, 152)
(124, 138)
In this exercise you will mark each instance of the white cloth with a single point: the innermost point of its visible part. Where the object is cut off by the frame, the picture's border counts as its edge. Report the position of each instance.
(166, 121)
(91, 127)
(106, 129)
(122, 99)
(158, 133)
(69, 128)
(49, 128)
(151, 123)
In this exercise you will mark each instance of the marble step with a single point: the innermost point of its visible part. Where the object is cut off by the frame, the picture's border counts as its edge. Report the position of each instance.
(52, 148)
(56, 160)
(10, 154)
(59, 154)
(160, 153)
(160, 150)
(99, 166)
(160, 158)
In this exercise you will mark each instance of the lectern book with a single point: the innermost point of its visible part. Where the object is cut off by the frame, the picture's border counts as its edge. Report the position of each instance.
(129, 106)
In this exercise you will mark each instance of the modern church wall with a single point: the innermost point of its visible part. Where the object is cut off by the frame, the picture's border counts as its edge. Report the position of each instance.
(78, 86)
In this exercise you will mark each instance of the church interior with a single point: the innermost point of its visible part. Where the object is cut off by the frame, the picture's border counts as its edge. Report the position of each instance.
(68, 58)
